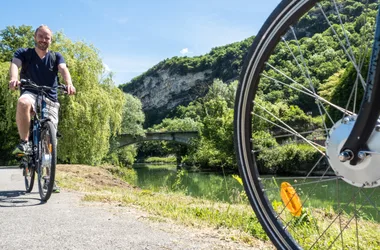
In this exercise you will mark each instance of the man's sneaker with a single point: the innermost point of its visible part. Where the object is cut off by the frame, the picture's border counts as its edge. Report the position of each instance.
(56, 189)
(45, 184)
(26, 172)
(22, 149)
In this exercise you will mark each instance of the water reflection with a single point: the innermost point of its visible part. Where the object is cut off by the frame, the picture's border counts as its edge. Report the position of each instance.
(213, 186)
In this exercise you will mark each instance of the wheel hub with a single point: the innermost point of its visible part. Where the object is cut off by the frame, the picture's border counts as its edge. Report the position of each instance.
(367, 172)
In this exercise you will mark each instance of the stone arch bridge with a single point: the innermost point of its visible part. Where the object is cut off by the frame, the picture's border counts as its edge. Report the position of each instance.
(182, 137)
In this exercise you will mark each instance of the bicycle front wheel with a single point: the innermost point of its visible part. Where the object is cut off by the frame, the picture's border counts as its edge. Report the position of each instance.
(48, 160)
(303, 79)
(29, 177)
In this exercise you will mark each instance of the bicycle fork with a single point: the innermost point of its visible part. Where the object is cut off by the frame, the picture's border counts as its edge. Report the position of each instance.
(355, 148)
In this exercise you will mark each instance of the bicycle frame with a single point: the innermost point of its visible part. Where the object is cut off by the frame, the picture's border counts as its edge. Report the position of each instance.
(369, 109)
(37, 124)
(39, 118)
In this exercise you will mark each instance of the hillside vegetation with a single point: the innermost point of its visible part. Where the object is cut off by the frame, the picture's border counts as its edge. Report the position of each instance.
(329, 71)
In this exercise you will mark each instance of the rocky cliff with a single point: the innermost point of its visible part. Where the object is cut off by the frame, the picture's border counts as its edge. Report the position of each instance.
(180, 80)
(162, 93)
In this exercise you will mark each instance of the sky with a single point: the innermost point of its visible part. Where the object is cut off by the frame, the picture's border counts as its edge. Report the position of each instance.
(134, 35)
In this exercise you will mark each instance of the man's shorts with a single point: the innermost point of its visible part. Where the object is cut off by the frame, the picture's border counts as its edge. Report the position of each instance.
(51, 106)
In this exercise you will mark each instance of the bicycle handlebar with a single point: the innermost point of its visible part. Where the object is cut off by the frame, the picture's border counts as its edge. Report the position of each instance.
(27, 83)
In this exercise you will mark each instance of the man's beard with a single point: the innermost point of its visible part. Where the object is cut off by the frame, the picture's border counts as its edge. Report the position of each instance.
(42, 46)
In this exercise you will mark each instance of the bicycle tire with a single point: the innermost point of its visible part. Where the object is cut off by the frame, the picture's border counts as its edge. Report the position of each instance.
(29, 179)
(47, 160)
(287, 13)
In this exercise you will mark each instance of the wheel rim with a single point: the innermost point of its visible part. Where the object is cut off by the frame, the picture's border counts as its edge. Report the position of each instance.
(29, 179)
(47, 156)
(345, 215)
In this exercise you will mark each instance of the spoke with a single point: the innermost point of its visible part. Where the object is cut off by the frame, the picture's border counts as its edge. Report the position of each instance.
(315, 165)
(306, 183)
(308, 92)
(307, 196)
(283, 144)
(292, 133)
(340, 212)
(339, 207)
(295, 177)
(343, 47)
(307, 76)
(371, 202)
(357, 229)
(305, 89)
(354, 93)
(344, 32)
(311, 191)
(349, 221)
(290, 128)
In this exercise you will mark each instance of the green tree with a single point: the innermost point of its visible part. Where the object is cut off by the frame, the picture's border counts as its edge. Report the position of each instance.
(94, 114)
(133, 116)
(133, 119)
(214, 113)
(8, 130)
(12, 38)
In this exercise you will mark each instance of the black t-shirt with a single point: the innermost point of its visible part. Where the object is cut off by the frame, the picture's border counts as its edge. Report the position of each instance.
(39, 70)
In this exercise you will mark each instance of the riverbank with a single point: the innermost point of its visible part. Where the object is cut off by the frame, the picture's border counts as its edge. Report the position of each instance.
(232, 222)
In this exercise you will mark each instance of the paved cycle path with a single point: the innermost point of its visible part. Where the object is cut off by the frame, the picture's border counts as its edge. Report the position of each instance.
(65, 222)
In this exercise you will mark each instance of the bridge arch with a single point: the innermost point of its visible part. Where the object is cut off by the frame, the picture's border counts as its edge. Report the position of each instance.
(183, 137)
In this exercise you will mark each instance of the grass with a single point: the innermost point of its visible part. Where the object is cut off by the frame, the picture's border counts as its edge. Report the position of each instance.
(108, 184)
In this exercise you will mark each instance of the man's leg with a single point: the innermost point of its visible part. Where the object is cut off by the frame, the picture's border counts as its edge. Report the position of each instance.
(24, 108)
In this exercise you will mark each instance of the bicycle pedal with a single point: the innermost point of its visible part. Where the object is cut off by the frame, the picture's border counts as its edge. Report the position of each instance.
(25, 172)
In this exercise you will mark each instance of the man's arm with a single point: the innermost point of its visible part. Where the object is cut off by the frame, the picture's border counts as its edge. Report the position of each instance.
(13, 73)
(62, 68)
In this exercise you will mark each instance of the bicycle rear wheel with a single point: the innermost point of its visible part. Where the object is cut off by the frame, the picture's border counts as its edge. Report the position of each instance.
(28, 173)
(303, 79)
(48, 160)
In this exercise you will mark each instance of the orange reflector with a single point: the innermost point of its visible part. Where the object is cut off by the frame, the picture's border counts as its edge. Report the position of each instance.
(291, 199)
(50, 148)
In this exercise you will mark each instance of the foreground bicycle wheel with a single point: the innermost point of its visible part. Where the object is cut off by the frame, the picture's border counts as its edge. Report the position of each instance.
(298, 96)
(48, 160)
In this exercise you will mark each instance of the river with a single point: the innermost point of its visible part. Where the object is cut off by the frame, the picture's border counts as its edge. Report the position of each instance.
(212, 186)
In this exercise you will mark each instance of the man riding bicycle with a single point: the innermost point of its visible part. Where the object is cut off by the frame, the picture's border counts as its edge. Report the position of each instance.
(41, 66)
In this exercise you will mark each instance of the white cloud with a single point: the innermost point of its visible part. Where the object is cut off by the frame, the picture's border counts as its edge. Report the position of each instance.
(184, 51)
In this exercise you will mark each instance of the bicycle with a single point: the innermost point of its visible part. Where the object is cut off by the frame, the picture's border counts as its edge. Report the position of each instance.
(285, 62)
(43, 157)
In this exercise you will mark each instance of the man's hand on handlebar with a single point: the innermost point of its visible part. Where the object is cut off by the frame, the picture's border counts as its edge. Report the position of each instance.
(13, 84)
(70, 89)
